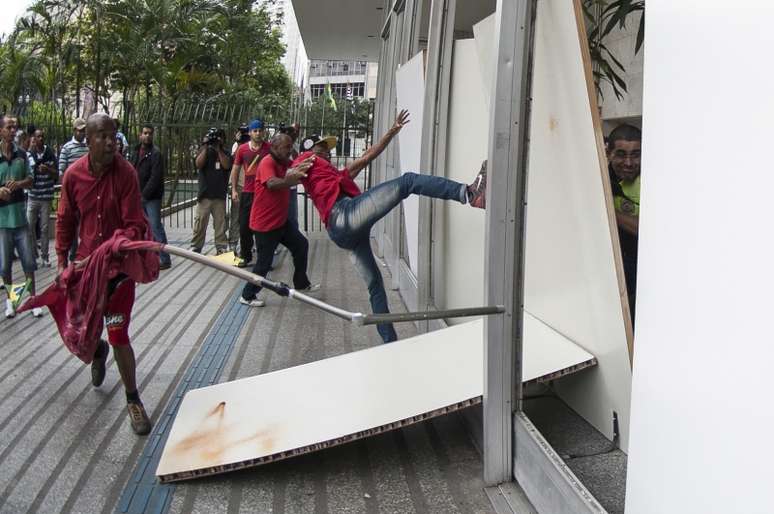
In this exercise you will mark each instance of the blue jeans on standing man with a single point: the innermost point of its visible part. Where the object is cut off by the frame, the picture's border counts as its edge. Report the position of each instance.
(152, 210)
(351, 219)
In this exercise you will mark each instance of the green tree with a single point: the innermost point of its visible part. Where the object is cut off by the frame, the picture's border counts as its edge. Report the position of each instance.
(155, 50)
(602, 17)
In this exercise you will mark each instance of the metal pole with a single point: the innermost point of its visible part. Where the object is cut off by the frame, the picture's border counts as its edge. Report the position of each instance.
(505, 231)
(357, 318)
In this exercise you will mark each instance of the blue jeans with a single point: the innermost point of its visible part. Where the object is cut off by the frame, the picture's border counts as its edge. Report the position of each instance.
(152, 210)
(19, 238)
(351, 219)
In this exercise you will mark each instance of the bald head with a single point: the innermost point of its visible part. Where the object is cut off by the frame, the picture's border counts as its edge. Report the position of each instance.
(101, 139)
(281, 146)
(279, 139)
(99, 121)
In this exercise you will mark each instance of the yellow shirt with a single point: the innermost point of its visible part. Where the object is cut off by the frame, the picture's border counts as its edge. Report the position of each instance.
(630, 204)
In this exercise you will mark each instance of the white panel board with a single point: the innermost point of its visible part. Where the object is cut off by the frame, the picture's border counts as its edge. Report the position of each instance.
(702, 390)
(296, 410)
(463, 228)
(547, 353)
(484, 34)
(570, 279)
(410, 86)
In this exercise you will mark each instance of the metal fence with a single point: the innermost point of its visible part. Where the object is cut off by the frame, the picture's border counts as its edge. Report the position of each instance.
(180, 128)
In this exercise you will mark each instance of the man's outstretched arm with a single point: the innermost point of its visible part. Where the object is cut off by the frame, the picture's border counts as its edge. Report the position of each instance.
(356, 166)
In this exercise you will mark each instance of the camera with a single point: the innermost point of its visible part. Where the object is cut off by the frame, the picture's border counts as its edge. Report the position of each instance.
(243, 134)
(213, 136)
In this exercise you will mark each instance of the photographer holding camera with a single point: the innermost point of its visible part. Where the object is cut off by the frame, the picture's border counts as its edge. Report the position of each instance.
(213, 164)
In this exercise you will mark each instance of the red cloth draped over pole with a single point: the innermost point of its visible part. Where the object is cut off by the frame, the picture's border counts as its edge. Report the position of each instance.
(78, 297)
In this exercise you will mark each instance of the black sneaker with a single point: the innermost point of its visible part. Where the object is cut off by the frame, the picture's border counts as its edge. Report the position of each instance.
(98, 364)
(138, 418)
(477, 190)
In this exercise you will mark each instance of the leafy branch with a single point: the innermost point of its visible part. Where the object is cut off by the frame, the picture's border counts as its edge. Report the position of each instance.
(602, 17)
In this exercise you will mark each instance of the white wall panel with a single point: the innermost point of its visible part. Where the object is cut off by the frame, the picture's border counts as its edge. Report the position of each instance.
(570, 275)
(702, 391)
(410, 85)
(463, 227)
(484, 34)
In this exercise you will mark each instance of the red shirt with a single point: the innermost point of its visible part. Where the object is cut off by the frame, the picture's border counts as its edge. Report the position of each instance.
(244, 157)
(97, 207)
(325, 184)
(270, 206)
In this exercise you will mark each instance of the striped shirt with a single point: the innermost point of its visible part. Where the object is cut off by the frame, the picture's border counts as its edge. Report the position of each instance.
(71, 152)
(42, 181)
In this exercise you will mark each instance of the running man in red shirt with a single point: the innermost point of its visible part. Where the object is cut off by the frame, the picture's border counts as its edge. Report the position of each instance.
(269, 218)
(349, 214)
(101, 194)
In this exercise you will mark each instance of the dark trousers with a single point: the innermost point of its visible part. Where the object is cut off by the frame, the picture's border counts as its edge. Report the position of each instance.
(266, 242)
(245, 234)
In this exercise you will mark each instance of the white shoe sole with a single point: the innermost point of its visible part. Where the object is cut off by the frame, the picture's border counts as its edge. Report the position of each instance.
(252, 303)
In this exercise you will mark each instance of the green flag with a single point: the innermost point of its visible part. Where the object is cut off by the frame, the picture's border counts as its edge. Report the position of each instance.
(16, 291)
(329, 96)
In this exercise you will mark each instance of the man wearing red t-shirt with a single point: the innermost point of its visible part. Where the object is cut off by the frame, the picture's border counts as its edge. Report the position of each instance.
(269, 218)
(101, 194)
(247, 157)
(349, 214)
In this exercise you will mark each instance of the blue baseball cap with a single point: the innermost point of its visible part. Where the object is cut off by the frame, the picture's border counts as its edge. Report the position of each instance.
(255, 124)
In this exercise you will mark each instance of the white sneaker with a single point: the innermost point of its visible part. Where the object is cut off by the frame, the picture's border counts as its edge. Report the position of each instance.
(10, 312)
(37, 312)
(45, 263)
(255, 302)
(313, 288)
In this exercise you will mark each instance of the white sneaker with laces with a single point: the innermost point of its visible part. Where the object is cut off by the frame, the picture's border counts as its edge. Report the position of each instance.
(255, 302)
(10, 312)
(313, 288)
(37, 312)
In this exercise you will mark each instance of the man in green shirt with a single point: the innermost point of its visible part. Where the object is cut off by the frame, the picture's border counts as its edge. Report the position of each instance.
(15, 176)
(624, 146)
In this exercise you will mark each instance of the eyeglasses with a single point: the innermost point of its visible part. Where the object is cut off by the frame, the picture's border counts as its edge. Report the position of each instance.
(622, 156)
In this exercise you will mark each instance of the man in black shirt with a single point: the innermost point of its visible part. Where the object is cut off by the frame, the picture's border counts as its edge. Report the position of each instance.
(213, 165)
(149, 163)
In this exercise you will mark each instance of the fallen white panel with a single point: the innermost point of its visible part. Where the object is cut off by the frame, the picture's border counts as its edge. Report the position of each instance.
(306, 408)
(701, 398)
(570, 271)
(460, 250)
(291, 411)
(547, 354)
(410, 87)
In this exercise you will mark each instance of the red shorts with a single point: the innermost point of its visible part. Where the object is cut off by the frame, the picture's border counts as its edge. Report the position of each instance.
(118, 312)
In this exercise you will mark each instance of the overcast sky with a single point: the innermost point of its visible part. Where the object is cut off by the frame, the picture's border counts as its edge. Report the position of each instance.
(12, 9)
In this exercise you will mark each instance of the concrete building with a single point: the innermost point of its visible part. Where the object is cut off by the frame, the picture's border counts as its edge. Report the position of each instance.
(348, 79)
(295, 60)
